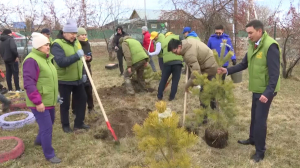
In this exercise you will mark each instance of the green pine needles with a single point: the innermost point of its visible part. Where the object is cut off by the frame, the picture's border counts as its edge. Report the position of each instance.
(219, 91)
(162, 141)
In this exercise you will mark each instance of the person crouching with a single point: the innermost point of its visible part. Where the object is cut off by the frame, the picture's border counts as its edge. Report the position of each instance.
(136, 59)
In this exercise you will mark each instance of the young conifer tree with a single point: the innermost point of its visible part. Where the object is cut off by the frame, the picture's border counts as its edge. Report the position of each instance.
(162, 141)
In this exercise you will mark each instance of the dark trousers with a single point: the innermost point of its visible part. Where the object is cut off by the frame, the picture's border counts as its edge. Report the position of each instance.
(175, 70)
(79, 107)
(45, 121)
(161, 63)
(89, 94)
(12, 69)
(120, 57)
(258, 126)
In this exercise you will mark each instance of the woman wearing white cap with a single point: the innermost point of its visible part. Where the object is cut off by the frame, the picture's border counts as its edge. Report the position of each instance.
(41, 85)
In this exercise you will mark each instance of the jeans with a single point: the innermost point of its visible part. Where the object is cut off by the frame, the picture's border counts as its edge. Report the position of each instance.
(175, 70)
(161, 63)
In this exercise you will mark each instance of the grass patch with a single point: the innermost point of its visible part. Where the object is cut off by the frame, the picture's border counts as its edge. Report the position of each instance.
(7, 145)
(16, 117)
(83, 150)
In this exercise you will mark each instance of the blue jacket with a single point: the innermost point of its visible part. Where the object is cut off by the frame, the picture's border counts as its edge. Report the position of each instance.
(193, 34)
(215, 42)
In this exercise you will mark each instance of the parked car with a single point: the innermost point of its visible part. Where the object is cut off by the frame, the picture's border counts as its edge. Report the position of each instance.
(23, 51)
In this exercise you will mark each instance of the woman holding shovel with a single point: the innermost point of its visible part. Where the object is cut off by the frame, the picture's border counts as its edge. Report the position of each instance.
(41, 85)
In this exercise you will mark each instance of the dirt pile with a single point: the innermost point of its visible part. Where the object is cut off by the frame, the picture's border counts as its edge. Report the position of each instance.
(122, 120)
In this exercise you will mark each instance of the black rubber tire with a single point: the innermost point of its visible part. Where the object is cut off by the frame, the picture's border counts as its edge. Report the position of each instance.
(110, 67)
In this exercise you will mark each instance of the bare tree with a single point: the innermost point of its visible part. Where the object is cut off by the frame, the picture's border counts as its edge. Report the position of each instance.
(290, 44)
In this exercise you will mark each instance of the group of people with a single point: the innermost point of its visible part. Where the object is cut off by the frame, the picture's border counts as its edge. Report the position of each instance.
(262, 59)
(53, 71)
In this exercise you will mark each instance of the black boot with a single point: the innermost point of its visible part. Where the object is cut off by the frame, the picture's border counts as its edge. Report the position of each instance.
(246, 142)
(67, 129)
(257, 157)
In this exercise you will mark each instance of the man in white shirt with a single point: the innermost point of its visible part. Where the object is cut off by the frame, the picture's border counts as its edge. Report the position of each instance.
(158, 38)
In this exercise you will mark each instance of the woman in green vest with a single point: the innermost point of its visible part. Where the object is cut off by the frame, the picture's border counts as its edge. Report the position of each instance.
(67, 53)
(40, 83)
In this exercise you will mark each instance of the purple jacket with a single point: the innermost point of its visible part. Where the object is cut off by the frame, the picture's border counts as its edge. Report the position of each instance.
(31, 73)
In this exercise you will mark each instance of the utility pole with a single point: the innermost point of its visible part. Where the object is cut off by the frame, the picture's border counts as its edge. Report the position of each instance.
(235, 24)
(145, 13)
(84, 13)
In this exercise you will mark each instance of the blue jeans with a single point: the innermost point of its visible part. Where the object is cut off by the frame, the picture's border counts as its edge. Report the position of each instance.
(175, 70)
(45, 121)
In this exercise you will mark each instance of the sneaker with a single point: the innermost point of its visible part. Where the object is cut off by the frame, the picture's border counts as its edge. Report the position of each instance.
(10, 91)
(54, 160)
(19, 91)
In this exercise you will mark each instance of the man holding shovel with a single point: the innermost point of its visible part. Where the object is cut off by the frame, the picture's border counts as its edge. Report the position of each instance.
(148, 45)
(158, 38)
(136, 58)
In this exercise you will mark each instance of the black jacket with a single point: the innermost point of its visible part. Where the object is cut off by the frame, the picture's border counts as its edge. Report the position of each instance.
(87, 49)
(8, 49)
(117, 37)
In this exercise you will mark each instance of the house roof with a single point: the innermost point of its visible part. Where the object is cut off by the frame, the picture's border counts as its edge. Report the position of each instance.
(151, 14)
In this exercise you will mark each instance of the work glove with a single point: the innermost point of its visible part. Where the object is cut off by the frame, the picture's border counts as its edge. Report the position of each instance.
(80, 53)
(84, 78)
(59, 100)
(234, 62)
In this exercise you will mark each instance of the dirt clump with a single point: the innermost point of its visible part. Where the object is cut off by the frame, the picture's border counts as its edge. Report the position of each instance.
(122, 120)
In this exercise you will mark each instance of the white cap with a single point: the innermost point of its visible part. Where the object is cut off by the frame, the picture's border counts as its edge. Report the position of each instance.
(145, 28)
(39, 40)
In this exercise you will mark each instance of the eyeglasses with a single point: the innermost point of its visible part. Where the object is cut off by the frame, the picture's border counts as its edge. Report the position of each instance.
(218, 33)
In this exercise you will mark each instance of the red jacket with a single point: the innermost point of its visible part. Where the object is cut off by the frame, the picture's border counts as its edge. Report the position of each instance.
(146, 42)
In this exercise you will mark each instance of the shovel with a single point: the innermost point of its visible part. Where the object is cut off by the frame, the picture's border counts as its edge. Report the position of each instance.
(185, 97)
(99, 101)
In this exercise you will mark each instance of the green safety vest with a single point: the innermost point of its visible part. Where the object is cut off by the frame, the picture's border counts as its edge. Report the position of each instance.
(169, 56)
(47, 83)
(137, 51)
(160, 39)
(74, 71)
(257, 64)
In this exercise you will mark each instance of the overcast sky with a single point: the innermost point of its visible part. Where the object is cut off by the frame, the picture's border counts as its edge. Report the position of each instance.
(154, 4)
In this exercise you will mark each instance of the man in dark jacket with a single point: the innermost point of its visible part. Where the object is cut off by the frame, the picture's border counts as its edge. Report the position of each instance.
(215, 42)
(118, 48)
(10, 56)
(263, 63)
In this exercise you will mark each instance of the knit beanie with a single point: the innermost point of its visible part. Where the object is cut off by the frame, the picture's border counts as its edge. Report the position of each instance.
(38, 40)
(81, 31)
(70, 26)
(145, 28)
(6, 32)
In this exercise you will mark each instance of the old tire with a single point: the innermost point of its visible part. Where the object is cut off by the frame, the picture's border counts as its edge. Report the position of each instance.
(15, 152)
(216, 138)
(11, 125)
(111, 66)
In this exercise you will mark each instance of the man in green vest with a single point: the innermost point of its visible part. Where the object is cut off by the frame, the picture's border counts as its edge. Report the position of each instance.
(67, 53)
(263, 63)
(172, 65)
(158, 38)
(136, 58)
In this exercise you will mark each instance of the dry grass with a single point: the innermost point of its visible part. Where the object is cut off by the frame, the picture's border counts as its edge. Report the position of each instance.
(82, 150)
